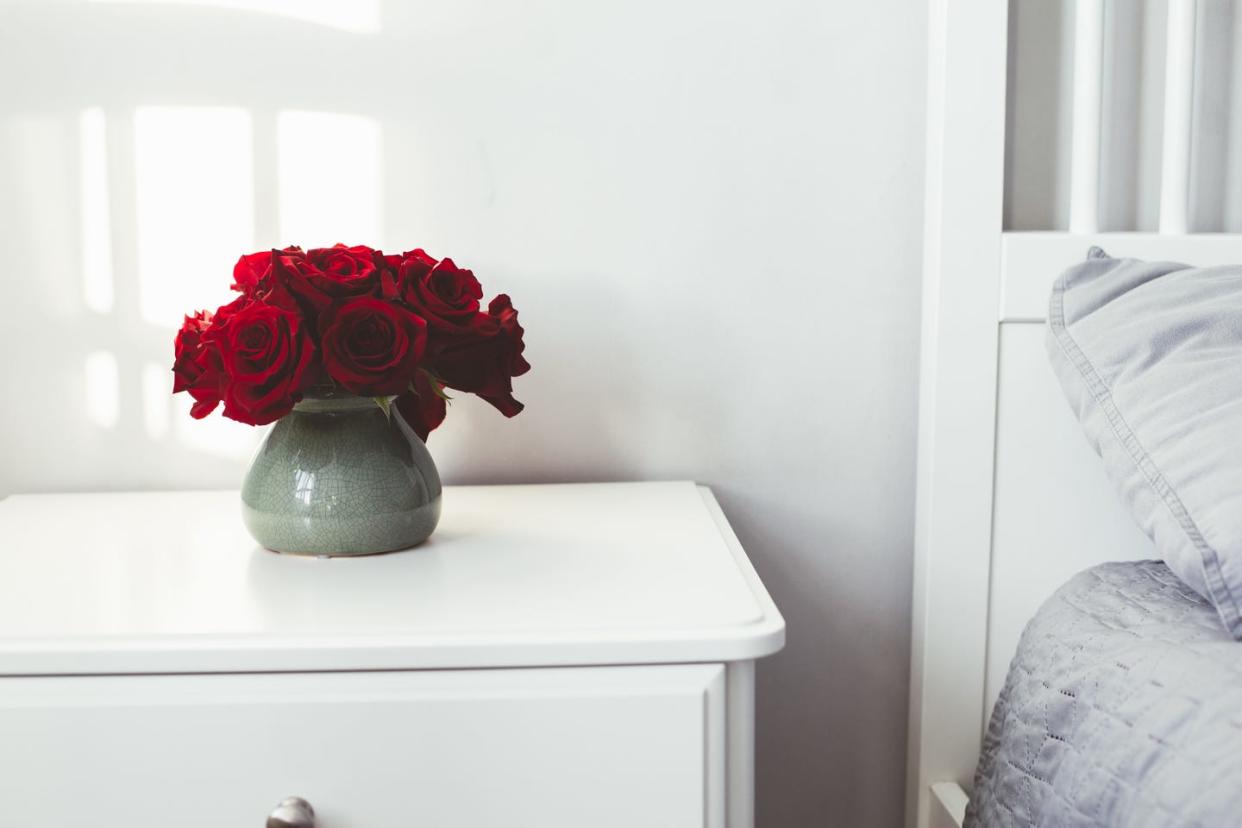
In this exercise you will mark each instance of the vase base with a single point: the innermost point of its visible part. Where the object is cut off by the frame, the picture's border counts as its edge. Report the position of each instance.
(342, 537)
(325, 555)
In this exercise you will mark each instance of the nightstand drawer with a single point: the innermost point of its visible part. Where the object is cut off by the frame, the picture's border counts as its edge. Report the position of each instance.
(553, 748)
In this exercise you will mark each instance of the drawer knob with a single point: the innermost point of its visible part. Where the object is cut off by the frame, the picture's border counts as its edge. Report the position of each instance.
(292, 812)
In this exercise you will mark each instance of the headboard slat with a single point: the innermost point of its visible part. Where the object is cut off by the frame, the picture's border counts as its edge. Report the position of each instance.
(1088, 113)
(1179, 81)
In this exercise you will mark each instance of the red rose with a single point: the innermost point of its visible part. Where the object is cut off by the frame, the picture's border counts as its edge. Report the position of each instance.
(252, 270)
(196, 368)
(485, 359)
(371, 346)
(264, 351)
(186, 348)
(405, 326)
(388, 264)
(252, 277)
(320, 276)
(440, 292)
(423, 407)
(345, 270)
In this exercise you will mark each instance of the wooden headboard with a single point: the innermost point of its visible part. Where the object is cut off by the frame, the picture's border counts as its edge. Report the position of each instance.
(1011, 499)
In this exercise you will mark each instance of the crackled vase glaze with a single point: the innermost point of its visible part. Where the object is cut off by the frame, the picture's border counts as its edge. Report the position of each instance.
(338, 476)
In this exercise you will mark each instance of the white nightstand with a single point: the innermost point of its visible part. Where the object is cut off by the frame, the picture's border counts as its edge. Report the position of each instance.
(555, 656)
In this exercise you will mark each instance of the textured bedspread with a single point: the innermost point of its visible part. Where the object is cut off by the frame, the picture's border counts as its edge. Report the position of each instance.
(1123, 706)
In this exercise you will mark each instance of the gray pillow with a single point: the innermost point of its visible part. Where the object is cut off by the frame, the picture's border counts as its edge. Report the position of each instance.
(1150, 356)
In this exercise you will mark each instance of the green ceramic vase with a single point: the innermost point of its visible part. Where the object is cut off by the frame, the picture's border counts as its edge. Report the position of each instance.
(338, 476)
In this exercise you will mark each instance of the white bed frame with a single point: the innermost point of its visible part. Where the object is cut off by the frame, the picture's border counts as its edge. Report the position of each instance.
(1011, 500)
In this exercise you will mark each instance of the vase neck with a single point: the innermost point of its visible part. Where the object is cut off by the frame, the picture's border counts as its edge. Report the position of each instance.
(341, 403)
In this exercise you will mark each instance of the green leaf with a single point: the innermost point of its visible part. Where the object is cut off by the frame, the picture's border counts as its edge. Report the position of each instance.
(437, 385)
(385, 405)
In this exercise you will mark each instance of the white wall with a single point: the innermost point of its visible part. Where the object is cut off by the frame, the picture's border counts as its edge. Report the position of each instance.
(707, 211)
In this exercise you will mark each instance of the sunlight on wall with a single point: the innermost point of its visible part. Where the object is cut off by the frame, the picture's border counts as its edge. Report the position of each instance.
(318, 209)
(96, 218)
(213, 435)
(156, 402)
(37, 193)
(195, 206)
(102, 389)
(348, 15)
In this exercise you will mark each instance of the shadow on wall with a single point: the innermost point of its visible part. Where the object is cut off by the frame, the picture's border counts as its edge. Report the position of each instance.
(135, 182)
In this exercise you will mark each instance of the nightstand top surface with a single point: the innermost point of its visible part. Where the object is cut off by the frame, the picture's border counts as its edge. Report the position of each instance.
(602, 573)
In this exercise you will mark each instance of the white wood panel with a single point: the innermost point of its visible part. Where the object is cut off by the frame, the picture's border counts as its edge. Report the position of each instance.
(949, 805)
(558, 748)
(740, 741)
(515, 576)
(1031, 262)
(1087, 116)
(965, 160)
(1056, 513)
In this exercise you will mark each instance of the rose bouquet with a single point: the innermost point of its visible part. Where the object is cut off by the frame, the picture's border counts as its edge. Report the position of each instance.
(349, 320)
